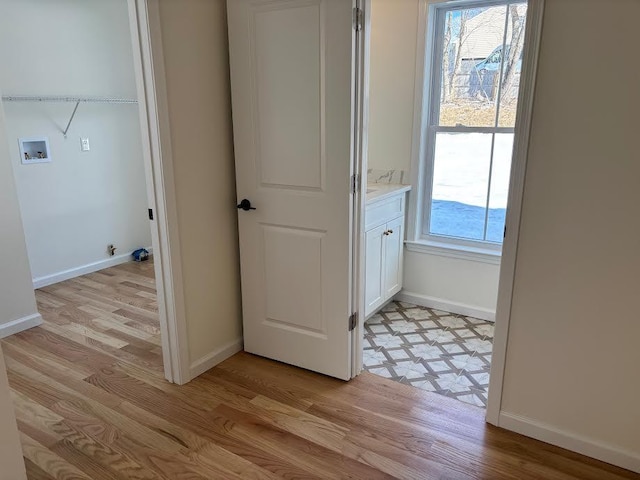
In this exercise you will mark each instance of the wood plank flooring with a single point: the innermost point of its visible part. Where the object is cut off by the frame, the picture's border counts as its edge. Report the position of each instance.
(91, 403)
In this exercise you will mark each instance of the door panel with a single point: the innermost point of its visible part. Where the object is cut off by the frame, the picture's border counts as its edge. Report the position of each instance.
(293, 269)
(292, 96)
(373, 268)
(289, 94)
(393, 257)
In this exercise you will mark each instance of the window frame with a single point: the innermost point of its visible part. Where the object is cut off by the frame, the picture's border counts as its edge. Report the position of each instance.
(432, 56)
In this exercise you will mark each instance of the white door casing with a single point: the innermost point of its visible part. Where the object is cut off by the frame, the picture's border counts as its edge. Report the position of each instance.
(144, 21)
(292, 79)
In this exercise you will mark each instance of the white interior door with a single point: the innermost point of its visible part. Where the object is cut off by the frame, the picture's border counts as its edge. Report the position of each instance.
(292, 81)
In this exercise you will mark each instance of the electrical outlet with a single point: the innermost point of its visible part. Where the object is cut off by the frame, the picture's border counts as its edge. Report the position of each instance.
(84, 144)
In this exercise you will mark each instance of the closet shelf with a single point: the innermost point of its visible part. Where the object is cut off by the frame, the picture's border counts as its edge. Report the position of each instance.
(67, 99)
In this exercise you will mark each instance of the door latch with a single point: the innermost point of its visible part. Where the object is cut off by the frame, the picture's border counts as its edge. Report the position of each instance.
(353, 321)
(245, 205)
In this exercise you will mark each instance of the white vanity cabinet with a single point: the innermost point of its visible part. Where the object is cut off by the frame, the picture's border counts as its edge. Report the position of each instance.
(384, 240)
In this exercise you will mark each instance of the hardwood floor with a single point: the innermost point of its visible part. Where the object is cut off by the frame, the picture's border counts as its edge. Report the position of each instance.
(92, 403)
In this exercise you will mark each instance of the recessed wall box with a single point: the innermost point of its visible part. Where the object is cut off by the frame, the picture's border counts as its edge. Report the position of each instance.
(34, 150)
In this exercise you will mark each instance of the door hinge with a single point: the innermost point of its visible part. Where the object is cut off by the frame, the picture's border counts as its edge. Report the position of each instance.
(150, 214)
(358, 19)
(353, 321)
(355, 183)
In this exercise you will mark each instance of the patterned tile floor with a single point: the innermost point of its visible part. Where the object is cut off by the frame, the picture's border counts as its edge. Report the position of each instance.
(430, 349)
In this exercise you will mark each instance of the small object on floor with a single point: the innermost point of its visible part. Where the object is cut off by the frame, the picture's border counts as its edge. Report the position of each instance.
(141, 255)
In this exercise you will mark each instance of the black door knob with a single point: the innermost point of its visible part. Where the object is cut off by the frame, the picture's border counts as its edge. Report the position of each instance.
(245, 205)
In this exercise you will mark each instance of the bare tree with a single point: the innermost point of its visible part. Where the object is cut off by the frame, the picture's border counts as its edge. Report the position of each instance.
(450, 73)
(514, 51)
(464, 16)
(446, 58)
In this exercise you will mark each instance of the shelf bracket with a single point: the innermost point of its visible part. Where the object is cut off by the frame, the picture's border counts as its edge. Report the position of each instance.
(73, 114)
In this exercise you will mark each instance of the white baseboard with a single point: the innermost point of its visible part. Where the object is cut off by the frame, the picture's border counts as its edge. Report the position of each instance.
(446, 305)
(576, 443)
(83, 270)
(16, 326)
(212, 359)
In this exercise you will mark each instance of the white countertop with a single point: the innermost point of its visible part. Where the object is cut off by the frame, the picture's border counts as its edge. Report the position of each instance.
(379, 191)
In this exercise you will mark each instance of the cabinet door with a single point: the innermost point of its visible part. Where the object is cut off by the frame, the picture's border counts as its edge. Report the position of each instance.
(373, 268)
(392, 269)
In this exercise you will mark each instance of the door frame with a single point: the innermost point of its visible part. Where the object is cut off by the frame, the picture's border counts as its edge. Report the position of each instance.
(360, 137)
(148, 59)
(533, 34)
(516, 182)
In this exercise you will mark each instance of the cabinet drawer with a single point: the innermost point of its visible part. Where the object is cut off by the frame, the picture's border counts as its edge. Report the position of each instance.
(381, 212)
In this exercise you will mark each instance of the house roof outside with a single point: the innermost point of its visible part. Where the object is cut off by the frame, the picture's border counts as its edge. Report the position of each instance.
(485, 32)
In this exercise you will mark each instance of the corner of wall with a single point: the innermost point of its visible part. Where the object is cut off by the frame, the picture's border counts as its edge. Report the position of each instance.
(17, 298)
(213, 358)
(194, 82)
(24, 323)
(571, 441)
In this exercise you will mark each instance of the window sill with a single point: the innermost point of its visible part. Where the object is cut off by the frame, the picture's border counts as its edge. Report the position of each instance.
(442, 249)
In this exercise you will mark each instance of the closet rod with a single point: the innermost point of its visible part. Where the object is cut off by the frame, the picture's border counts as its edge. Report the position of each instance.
(60, 98)
(66, 98)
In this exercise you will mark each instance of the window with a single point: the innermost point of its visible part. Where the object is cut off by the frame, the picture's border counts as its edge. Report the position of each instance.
(472, 109)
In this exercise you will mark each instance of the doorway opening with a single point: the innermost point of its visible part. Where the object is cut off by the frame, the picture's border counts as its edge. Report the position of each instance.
(430, 306)
(85, 197)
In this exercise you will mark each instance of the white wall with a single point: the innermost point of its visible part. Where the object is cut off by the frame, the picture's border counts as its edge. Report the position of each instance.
(17, 301)
(572, 358)
(17, 305)
(457, 285)
(196, 58)
(454, 284)
(75, 206)
(394, 26)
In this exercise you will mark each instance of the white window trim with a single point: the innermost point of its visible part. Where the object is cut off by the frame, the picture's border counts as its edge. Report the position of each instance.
(452, 250)
(417, 241)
